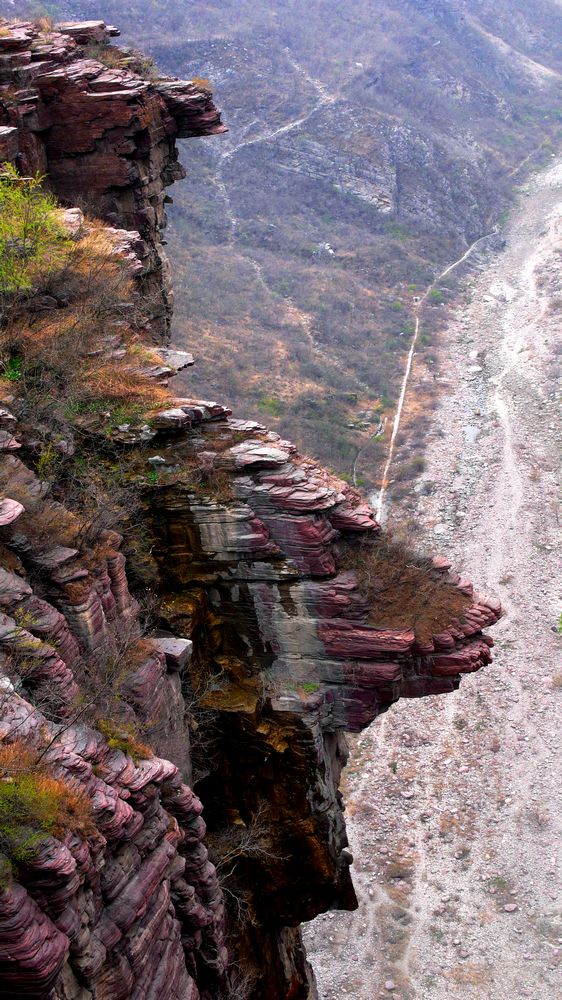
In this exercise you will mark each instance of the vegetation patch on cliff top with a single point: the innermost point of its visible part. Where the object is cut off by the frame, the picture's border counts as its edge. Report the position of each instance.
(123, 736)
(72, 320)
(404, 589)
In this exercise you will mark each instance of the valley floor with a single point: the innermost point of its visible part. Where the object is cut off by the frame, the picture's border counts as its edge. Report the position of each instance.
(454, 803)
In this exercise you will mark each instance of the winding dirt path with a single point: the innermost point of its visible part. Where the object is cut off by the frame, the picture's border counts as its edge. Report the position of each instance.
(418, 314)
(377, 499)
(293, 314)
(455, 816)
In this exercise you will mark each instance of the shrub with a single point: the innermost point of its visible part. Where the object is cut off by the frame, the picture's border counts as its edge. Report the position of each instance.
(410, 469)
(310, 688)
(34, 805)
(11, 369)
(32, 241)
(403, 588)
(123, 736)
(271, 405)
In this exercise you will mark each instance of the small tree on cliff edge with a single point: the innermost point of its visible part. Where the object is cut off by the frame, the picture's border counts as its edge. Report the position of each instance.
(31, 237)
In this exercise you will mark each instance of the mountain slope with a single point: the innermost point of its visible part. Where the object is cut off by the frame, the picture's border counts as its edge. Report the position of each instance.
(366, 150)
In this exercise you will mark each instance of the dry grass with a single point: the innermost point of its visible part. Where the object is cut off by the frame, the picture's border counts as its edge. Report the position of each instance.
(105, 53)
(403, 588)
(61, 351)
(44, 24)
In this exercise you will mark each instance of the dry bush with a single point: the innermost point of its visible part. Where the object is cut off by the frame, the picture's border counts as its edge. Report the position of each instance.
(47, 526)
(102, 494)
(403, 588)
(201, 480)
(230, 849)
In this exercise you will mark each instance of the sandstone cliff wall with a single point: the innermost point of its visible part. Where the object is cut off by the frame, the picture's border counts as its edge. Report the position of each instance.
(264, 646)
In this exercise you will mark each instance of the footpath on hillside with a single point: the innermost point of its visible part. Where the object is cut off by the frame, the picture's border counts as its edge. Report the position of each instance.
(454, 807)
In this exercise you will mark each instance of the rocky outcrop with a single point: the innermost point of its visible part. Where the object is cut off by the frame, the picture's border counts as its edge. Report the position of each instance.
(250, 598)
(263, 648)
(135, 910)
(295, 663)
(104, 136)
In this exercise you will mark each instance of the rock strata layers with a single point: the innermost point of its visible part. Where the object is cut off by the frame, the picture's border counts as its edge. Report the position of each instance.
(102, 135)
(264, 645)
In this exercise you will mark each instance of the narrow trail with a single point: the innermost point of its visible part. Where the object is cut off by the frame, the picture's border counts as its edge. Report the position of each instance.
(377, 499)
(292, 312)
(417, 316)
(407, 372)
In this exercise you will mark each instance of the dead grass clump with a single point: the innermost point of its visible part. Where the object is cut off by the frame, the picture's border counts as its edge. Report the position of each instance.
(105, 53)
(202, 83)
(404, 589)
(44, 24)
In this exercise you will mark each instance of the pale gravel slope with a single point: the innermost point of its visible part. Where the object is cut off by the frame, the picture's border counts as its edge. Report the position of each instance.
(471, 821)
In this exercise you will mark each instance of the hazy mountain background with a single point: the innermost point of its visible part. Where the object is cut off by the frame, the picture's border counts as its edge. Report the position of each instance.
(369, 144)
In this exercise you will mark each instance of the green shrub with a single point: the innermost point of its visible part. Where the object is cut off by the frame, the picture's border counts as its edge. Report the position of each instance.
(122, 736)
(31, 236)
(12, 369)
(34, 805)
(271, 405)
(398, 231)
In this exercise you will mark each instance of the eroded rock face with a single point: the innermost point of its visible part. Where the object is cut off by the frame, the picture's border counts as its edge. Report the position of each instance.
(250, 597)
(267, 648)
(102, 134)
(135, 910)
(296, 661)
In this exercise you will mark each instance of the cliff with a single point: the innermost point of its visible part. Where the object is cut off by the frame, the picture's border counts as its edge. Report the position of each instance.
(103, 136)
(185, 597)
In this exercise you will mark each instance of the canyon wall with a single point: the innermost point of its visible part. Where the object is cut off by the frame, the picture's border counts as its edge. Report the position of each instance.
(276, 618)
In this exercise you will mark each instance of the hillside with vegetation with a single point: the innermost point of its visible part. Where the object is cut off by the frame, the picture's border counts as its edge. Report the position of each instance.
(193, 613)
(367, 149)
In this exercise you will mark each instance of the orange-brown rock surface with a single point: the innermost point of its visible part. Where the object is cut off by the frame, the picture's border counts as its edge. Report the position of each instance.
(265, 643)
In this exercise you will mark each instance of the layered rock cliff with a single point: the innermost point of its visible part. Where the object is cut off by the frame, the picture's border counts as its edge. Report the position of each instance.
(259, 613)
(103, 136)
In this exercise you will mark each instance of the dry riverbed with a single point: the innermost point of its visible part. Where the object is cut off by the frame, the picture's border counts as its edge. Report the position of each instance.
(454, 808)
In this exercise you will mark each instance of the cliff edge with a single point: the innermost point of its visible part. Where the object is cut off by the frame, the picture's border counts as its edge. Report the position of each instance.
(186, 599)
